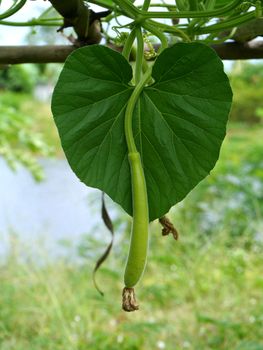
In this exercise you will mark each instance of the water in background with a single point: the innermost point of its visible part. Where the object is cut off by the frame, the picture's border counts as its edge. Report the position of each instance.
(59, 208)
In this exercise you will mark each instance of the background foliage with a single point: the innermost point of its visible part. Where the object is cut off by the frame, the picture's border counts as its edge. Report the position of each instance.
(247, 83)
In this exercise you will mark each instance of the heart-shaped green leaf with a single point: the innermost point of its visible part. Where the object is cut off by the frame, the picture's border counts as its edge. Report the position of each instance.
(179, 121)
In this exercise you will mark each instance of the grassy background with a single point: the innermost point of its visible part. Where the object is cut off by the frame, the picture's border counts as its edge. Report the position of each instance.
(202, 292)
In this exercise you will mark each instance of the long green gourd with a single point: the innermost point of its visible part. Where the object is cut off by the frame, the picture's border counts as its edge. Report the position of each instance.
(139, 234)
(139, 239)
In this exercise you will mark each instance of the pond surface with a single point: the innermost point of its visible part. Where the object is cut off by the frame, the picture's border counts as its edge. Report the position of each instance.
(59, 208)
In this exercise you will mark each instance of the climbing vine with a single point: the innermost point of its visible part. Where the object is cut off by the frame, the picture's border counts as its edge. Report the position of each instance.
(145, 134)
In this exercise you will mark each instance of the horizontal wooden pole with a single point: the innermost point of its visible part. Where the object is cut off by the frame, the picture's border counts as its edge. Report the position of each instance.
(240, 51)
(58, 53)
(34, 54)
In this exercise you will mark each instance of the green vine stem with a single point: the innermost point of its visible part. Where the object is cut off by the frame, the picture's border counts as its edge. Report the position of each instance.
(104, 3)
(168, 29)
(130, 108)
(198, 22)
(180, 5)
(32, 23)
(141, 15)
(128, 44)
(13, 9)
(146, 5)
(139, 55)
(228, 23)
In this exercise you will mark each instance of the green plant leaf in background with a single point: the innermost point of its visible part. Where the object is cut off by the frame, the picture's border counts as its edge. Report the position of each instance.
(179, 121)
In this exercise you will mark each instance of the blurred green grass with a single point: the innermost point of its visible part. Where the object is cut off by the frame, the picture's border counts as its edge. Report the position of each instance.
(199, 293)
(204, 292)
